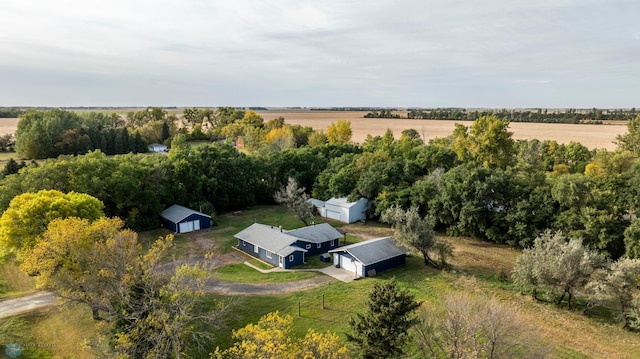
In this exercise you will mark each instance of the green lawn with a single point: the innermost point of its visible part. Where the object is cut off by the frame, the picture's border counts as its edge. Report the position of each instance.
(478, 268)
(242, 273)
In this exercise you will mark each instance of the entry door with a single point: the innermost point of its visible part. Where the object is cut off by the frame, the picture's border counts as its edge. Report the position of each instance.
(281, 261)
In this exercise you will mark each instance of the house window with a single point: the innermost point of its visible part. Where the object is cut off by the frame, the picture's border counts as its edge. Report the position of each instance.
(308, 246)
(319, 245)
(269, 254)
(332, 241)
(244, 244)
(256, 249)
(291, 258)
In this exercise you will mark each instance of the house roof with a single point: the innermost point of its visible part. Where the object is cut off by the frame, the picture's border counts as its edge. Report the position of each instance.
(177, 213)
(342, 202)
(270, 238)
(373, 250)
(318, 233)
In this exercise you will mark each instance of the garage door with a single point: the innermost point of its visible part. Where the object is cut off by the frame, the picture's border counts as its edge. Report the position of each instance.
(347, 263)
(188, 226)
(333, 215)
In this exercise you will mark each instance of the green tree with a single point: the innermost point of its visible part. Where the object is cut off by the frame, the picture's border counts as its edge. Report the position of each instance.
(381, 332)
(618, 282)
(295, 198)
(40, 133)
(487, 141)
(418, 233)
(630, 141)
(632, 239)
(339, 132)
(557, 265)
(29, 214)
(318, 138)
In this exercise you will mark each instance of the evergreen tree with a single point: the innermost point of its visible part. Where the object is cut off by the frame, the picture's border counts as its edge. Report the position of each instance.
(11, 167)
(382, 331)
(165, 131)
(140, 146)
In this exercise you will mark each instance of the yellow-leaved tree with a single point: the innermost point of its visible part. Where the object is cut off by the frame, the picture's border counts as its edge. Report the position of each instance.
(29, 214)
(83, 261)
(271, 338)
(339, 132)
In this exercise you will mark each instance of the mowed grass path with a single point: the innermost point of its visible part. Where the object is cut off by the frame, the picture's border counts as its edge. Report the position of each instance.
(478, 269)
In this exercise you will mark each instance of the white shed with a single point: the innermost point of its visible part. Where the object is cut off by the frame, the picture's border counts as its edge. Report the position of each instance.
(157, 147)
(347, 212)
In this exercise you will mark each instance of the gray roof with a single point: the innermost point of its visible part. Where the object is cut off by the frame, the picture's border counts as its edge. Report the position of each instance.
(177, 213)
(318, 233)
(269, 238)
(373, 250)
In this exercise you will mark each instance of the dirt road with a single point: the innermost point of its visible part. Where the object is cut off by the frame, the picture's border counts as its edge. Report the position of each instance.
(25, 304)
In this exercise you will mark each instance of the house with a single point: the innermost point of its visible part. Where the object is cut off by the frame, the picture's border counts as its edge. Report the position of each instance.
(367, 258)
(270, 244)
(181, 219)
(316, 239)
(287, 249)
(342, 210)
(156, 147)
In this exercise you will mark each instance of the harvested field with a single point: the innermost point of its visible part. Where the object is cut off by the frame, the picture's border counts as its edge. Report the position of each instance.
(592, 136)
(8, 126)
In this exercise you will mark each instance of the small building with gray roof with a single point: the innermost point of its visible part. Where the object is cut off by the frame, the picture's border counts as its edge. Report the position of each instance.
(367, 258)
(181, 219)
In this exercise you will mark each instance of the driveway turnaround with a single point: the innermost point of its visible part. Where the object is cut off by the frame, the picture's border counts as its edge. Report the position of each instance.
(24, 304)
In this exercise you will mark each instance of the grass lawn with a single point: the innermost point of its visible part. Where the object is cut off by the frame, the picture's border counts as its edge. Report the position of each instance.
(478, 268)
(242, 273)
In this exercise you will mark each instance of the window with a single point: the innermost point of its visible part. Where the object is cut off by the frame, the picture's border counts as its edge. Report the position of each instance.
(308, 246)
(244, 244)
(256, 249)
(291, 258)
(269, 254)
(332, 241)
(319, 245)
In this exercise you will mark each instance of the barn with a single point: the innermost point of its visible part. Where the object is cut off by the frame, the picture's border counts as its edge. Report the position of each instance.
(181, 219)
(342, 210)
(367, 258)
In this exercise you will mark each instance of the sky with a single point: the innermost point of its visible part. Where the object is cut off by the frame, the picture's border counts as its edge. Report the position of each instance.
(401, 53)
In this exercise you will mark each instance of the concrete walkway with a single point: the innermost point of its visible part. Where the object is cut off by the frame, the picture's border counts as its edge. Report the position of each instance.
(337, 273)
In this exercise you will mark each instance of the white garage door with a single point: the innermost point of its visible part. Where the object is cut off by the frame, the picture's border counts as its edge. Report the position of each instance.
(189, 226)
(348, 264)
(333, 215)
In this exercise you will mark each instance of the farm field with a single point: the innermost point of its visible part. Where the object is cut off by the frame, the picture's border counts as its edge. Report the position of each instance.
(592, 136)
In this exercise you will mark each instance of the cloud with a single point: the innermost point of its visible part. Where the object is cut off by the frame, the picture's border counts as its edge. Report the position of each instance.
(320, 53)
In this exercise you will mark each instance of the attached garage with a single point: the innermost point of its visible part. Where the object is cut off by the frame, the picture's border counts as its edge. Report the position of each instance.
(181, 219)
(367, 258)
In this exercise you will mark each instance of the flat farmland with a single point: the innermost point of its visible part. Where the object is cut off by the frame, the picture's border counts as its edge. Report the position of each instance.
(592, 136)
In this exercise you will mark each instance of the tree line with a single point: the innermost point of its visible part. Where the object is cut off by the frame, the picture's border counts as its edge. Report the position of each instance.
(477, 182)
(592, 116)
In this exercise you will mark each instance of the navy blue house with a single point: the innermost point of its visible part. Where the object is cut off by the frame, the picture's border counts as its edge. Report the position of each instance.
(181, 219)
(367, 258)
(287, 249)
